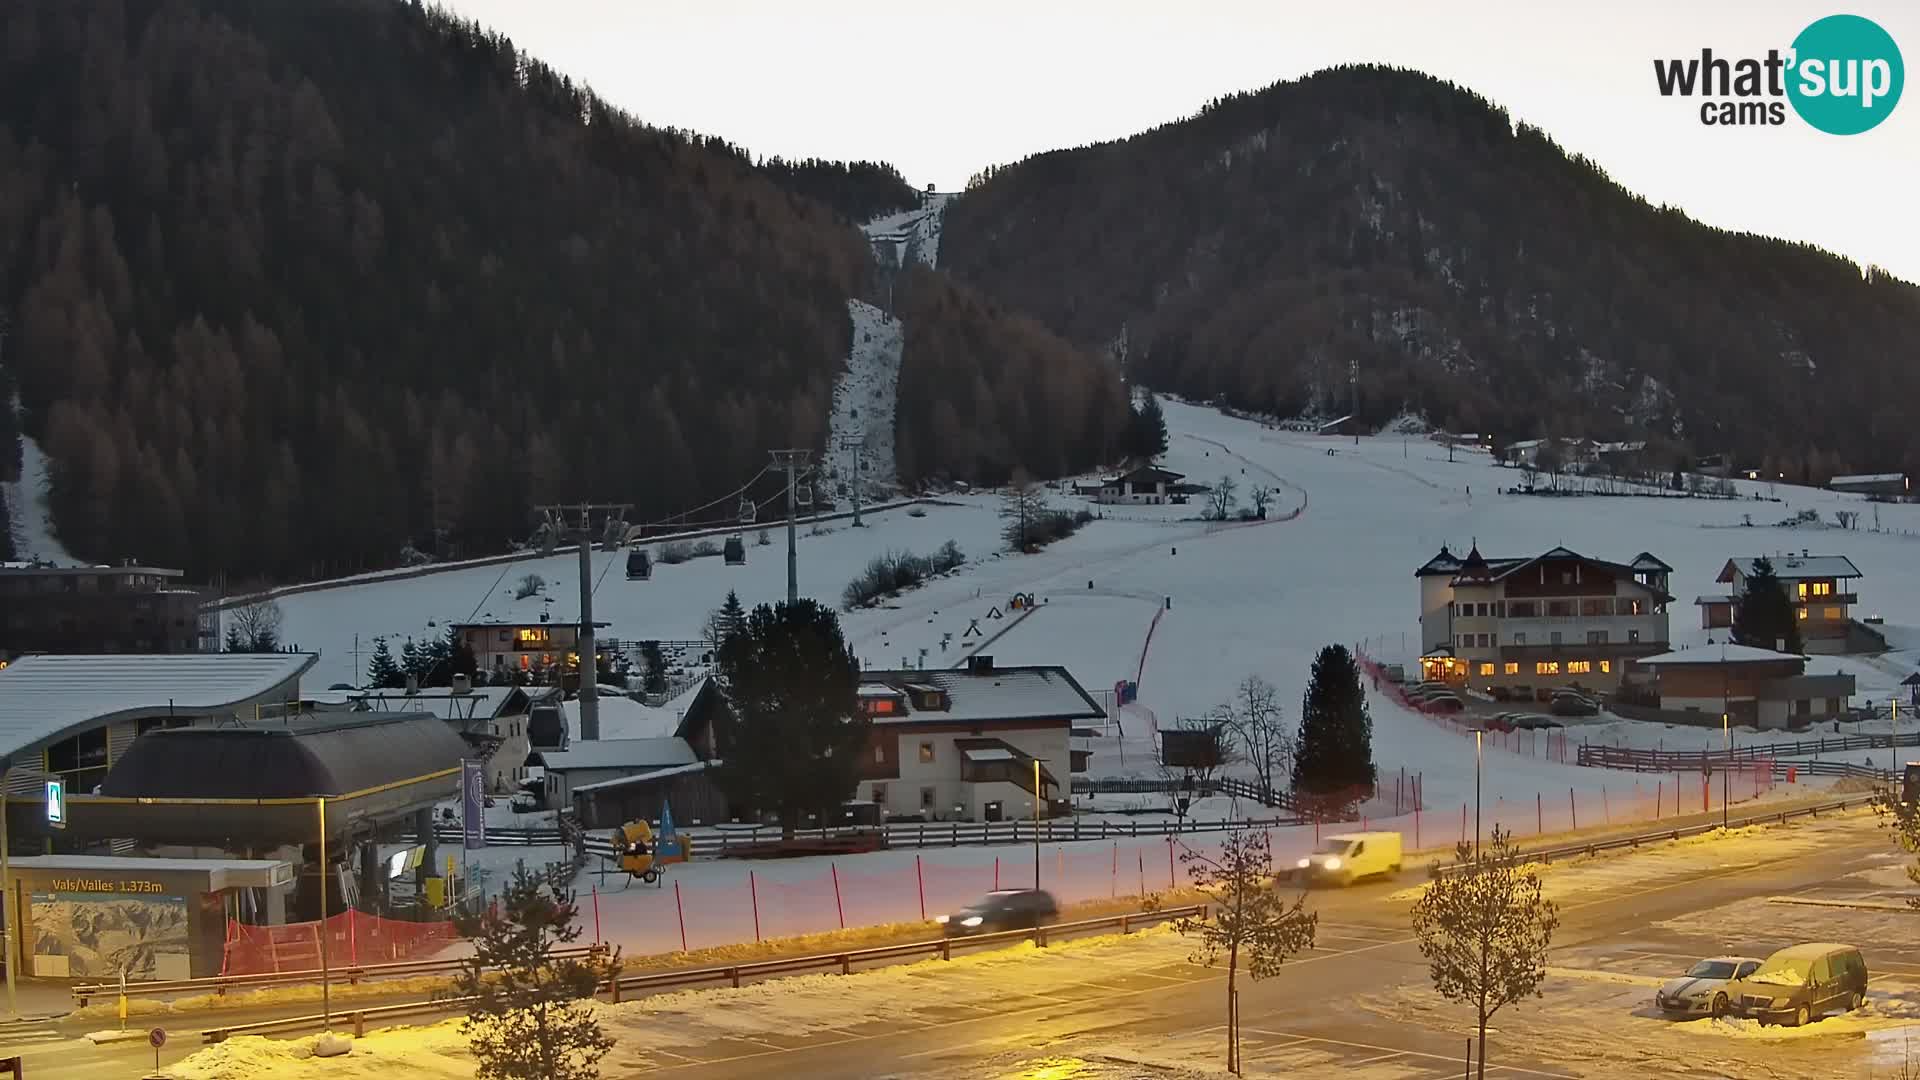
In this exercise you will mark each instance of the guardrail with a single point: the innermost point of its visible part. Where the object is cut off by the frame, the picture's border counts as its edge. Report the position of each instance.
(351, 975)
(1592, 847)
(734, 974)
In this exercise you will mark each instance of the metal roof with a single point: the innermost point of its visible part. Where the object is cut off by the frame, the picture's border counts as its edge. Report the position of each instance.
(1717, 654)
(332, 754)
(1008, 693)
(618, 754)
(1795, 567)
(44, 698)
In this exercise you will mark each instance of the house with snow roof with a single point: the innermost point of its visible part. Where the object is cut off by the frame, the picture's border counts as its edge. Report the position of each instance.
(1148, 484)
(1821, 590)
(1524, 627)
(963, 745)
(1754, 687)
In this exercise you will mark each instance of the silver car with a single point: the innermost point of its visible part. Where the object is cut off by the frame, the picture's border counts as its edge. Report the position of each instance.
(1702, 991)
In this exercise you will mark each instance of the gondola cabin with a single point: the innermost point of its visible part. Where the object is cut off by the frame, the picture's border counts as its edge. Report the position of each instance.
(639, 565)
(736, 551)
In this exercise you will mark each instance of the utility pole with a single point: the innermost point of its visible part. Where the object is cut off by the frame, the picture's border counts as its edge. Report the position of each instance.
(794, 462)
(584, 645)
(1353, 394)
(856, 443)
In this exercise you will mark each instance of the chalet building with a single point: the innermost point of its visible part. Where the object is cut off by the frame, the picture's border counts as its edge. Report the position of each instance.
(962, 745)
(1889, 485)
(1820, 588)
(591, 761)
(519, 646)
(1755, 687)
(101, 609)
(1147, 484)
(494, 720)
(1523, 627)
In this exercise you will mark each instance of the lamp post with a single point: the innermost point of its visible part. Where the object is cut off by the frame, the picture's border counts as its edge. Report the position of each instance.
(326, 977)
(6, 910)
(1726, 769)
(1036, 824)
(1478, 736)
(1893, 743)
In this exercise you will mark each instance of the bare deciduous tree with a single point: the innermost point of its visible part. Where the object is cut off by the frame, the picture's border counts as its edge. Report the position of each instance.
(1258, 725)
(1261, 495)
(1902, 819)
(1252, 925)
(254, 627)
(1221, 499)
(1022, 505)
(1485, 930)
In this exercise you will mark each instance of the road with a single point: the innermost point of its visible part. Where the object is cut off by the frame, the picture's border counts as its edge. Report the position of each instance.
(1357, 1004)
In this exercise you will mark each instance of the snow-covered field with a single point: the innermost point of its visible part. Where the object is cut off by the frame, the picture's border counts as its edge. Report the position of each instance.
(32, 529)
(1334, 562)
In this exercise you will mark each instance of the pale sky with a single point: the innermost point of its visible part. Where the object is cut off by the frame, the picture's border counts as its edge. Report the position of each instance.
(941, 90)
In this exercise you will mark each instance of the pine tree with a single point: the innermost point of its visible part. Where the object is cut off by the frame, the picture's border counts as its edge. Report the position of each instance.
(1334, 759)
(796, 738)
(654, 681)
(234, 643)
(1145, 436)
(1765, 616)
(530, 1013)
(459, 656)
(732, 616)
(413, 662)
(382, 672)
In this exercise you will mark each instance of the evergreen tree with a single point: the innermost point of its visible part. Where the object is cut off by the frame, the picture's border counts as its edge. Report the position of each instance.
(382, 672)
(530, 1013)
(1765, 616)
(1145, 436)
(731, 616)
(1334, 758)
(654, 681)
(414, 662)
(459, 656)
(234, 643)
(796, 738)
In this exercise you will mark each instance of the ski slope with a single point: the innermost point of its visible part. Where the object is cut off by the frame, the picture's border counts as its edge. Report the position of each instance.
(32, 527)
(1334, 562)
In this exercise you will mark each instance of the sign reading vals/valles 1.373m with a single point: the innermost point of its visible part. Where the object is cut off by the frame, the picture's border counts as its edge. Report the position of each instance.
(102, 885)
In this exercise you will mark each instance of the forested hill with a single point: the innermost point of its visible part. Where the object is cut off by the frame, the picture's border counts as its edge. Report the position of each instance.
(292, 285)
(1469, 266)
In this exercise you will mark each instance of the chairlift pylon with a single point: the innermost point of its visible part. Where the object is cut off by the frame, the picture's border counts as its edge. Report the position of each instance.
(735, 551)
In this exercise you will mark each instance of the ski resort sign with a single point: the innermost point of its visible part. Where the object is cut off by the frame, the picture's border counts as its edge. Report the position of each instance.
(1842, 75)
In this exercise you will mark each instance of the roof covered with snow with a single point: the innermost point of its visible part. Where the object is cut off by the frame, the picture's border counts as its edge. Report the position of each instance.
(44, 698)
(648, 777)
(1716, 655)
(1005, 693)
(623, 718)
(1794, 567)
(480, 702)
(618, 754)
(1868, 478)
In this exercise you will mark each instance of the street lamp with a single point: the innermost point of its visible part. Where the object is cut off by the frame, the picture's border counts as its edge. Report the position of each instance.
(1036, 824)
(1726, 769)
(7, 913)
(1893, 741)
(1478, 736)
(326, 975)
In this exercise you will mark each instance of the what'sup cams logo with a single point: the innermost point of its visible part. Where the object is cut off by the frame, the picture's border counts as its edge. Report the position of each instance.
(1843, 75)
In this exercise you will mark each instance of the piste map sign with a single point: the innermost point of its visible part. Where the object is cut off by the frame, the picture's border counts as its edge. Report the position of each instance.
(473, 804)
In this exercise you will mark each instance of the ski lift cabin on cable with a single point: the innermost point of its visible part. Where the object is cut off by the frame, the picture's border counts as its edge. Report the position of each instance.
(736, 551)
(639, 565)
(747, 511)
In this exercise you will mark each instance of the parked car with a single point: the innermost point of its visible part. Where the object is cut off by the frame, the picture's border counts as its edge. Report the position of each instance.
(1444, 703)
(1702, 991)
(1536, 722)
(1347, 858)
(1801, 984)
(1003, 909)
(1570, 703)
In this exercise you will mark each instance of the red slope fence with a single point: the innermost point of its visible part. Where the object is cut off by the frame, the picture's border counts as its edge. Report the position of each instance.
(353, 937)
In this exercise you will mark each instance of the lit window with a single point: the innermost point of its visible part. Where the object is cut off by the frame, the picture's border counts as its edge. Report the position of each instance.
(1835, 613)
(879, 755)
(1803, 590)
(1512, 667)
(1579, 667)
(1803, 613)
(530, 636)
(1486, 669)
(1606, 666)
(1546, 667)
(926, 753)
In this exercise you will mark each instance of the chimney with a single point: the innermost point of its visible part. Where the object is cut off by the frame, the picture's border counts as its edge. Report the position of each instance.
(462, 684)
(413, 684)
(979, 665)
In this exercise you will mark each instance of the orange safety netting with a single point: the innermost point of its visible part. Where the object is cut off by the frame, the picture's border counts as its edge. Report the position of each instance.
(353, 938)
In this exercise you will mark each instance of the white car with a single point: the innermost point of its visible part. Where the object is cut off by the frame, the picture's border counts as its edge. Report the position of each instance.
(1702, 991)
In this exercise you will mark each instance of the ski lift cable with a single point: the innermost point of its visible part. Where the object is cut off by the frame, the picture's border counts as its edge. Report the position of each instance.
(736, 493)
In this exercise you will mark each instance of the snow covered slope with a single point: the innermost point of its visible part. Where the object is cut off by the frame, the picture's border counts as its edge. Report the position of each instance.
(32, 529)
(863, 402)
(911, 235)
